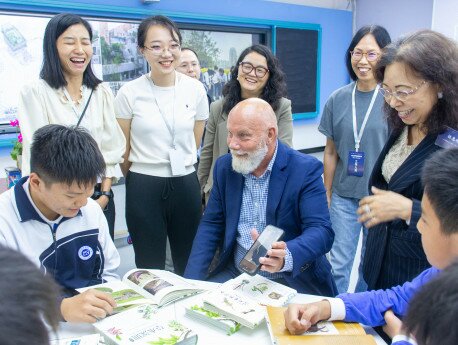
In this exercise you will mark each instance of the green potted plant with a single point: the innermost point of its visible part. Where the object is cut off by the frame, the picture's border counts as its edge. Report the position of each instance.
(16, 152)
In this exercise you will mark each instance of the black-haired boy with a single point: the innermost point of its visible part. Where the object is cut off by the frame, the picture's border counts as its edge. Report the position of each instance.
(50, 218)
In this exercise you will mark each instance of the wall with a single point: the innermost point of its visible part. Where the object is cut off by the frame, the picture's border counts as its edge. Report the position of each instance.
(445, 17)
(397, 16)
(335, 24)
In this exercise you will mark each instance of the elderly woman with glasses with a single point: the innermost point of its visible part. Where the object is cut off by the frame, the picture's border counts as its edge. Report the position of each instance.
(419, 75)
(257, 74)
(162, 115)
(355, 131)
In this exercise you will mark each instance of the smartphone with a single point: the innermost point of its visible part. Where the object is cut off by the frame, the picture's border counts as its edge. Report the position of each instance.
(250, 262)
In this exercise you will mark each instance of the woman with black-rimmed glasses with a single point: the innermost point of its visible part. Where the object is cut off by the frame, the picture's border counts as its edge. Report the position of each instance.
(162, 115)
(257, 74)
(355, 131)
(419, 76)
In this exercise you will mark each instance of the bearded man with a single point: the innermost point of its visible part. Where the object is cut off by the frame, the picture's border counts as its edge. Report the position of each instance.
(264, 182)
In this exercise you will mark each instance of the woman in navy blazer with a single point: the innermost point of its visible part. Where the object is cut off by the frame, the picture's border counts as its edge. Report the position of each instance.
(419, 75)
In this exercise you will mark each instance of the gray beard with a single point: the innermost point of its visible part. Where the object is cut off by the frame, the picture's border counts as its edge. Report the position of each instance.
(250, 163)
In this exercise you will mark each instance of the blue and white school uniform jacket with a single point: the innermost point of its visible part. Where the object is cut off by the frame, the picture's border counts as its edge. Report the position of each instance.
(78, 252)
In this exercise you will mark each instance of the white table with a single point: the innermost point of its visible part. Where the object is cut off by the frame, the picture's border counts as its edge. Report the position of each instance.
(208, 335)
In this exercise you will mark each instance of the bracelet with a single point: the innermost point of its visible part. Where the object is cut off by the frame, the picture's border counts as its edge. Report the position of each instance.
(98, 194)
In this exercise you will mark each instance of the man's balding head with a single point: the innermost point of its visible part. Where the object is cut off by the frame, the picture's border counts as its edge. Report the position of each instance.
(252, 135)
(256, 110)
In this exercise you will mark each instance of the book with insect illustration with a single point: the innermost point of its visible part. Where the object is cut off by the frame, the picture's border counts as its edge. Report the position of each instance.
(260, 289)
(145, 286)
(234, 306)
(141, 326)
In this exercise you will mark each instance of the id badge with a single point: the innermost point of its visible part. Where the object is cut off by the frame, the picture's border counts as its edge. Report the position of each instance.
(177, 162)
(355, 164)
(448, 139)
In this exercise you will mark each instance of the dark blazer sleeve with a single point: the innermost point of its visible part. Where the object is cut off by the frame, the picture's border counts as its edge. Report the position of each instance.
(209, 234)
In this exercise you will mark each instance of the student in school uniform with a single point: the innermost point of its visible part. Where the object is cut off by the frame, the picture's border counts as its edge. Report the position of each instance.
(50, 218)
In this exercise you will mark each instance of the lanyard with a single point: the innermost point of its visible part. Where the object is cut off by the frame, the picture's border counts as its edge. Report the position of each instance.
(366, 117)
(170, 128)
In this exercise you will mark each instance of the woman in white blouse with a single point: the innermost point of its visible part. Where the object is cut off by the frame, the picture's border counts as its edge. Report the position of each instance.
(162, 115)
(66, 87)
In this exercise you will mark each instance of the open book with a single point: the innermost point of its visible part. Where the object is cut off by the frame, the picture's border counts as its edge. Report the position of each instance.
(322, 333)
(260, 289)
(140, 326)
(145, 286)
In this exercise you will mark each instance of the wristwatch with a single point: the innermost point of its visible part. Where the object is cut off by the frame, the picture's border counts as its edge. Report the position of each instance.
(98, 194)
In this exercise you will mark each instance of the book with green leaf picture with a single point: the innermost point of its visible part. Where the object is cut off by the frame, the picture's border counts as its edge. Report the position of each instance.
(198, 312)
(141, 326)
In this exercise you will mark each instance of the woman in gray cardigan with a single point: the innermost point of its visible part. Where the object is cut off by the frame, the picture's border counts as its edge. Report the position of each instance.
(257, 74)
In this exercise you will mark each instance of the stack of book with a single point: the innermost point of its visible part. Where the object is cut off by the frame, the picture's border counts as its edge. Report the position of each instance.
(239, 302)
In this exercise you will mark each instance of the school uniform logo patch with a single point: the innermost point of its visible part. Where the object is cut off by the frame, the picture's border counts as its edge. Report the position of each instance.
(85, 253)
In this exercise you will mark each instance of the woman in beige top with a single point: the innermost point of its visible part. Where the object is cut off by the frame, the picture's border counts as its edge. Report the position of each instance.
(419, 75)
(67, 84)
(257, 74)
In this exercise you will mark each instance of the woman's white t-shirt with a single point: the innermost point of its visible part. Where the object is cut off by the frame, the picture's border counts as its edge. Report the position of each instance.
(150, 139)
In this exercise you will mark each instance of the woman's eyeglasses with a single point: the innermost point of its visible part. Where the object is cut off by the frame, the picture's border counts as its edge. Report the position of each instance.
(358, 55)
(400, 95)
(259, 71)
(159, 49)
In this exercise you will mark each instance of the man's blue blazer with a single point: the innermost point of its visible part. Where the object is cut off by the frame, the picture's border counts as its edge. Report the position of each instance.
(296, 203)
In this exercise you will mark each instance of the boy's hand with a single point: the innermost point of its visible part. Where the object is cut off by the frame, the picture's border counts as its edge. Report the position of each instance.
(393, 324)
(87, 306)
(300, 317)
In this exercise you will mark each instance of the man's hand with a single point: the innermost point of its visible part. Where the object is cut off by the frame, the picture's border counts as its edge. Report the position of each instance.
(300, 317)
(276, 260)
(87, 306)
(393, 324)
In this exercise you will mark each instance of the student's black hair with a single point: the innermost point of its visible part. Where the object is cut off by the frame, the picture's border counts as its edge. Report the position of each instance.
(274, 89)
(381, 35)
(432, 57)
(433, 311)
(29, 299)
(191, 50)
(62, 154)
(440, 181)
(157, 20)
(51, 69)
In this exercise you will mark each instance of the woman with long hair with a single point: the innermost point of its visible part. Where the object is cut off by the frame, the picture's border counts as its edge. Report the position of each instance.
(257, 74)
(69, 93)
